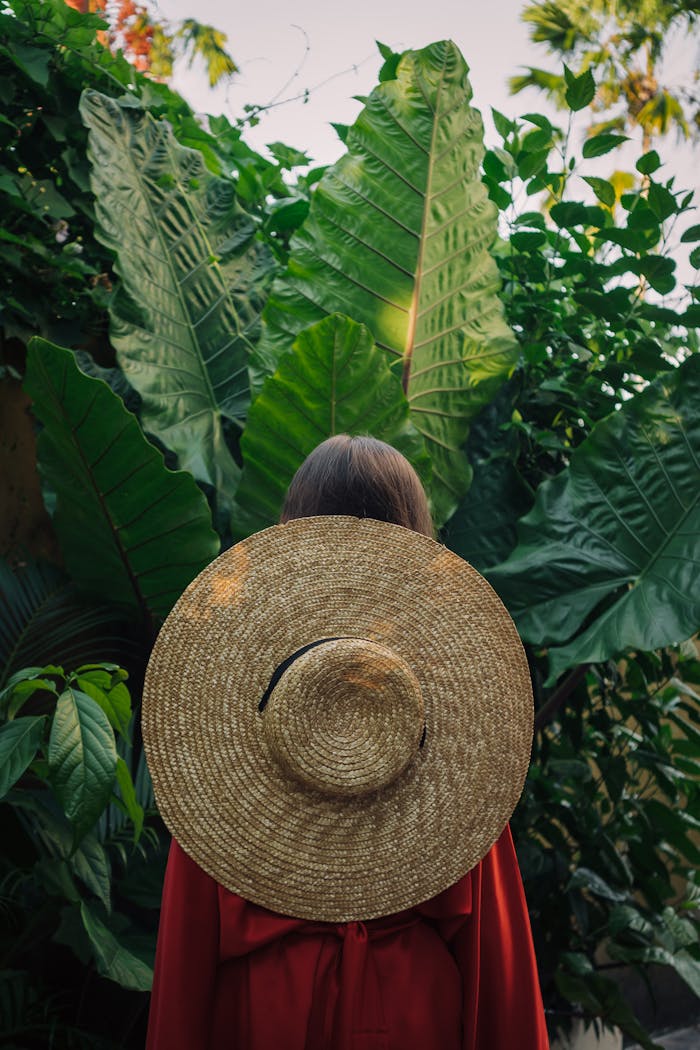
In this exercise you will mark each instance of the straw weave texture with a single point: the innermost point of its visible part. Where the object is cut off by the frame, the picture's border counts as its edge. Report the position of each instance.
(324, 805)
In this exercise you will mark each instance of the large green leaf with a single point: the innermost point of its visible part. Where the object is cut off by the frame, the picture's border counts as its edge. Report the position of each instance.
(130, 530)
(82, 758)
(397, 238)
(191, 273)
(617, 534)
(333, 381)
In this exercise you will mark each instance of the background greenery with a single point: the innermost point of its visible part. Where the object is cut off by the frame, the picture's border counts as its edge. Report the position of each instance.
(188, 319)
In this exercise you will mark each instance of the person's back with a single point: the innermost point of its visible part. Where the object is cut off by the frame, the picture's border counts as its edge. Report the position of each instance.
(452, 970)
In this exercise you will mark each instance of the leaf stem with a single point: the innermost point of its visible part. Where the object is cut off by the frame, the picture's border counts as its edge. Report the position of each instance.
(549, 709)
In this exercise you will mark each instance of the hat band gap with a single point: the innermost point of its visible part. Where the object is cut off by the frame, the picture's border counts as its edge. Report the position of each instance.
(287, 663)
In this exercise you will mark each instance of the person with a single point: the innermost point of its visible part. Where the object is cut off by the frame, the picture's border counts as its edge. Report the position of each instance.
(455, 971)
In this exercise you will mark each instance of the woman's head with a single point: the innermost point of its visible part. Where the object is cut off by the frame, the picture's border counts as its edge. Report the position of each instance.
(362, 477)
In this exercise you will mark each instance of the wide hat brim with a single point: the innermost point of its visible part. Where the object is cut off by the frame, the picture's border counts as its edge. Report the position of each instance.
(264, 834)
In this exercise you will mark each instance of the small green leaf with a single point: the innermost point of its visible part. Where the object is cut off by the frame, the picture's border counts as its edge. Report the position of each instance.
(601, 144)
(531, 218)
(569, 213)
(684, 932)
(341, 131)
(658, 270)
(682, 962)
(577, 963)
(82, 758)
(390, 64)
(643, 218)
(91, 864)
(32, 672)
(578, 990)
(626, 917)
(580, 90)
(16, 696)
(604, 190)
(633, 239)
(287, 214)
(33, 61)
(661, 201)
(694, 258)
(494, 166)
(500, 197)
(114, 669)
(128, 793)
(288, 157)
(114, 701)
(540, 121)
(688, 969)
(19, 741)
(540, 139)
(114, 960)
(531, 163)
(528, 241)
(586, 879)
(503, 125)
(648, 162)
(691, 317)
(691, 234)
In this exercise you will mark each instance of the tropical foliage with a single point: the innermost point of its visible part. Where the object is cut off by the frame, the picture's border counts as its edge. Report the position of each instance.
(77, 808)
(153, 44)
(625, 42)
(219, 315)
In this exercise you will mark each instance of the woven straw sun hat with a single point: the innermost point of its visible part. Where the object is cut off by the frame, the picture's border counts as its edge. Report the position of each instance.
(337, 718)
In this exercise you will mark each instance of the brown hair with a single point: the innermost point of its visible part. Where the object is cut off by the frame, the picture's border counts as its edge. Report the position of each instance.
(362, 477)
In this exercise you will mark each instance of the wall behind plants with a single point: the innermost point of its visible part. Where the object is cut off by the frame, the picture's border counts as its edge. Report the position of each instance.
(221, 321)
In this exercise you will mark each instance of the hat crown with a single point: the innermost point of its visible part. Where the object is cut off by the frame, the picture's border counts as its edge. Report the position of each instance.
(345, 718)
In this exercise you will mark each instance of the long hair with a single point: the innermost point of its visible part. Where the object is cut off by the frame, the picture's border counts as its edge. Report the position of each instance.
(361, 477)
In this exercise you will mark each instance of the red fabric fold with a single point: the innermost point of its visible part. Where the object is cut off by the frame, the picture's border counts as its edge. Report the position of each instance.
(455, 973)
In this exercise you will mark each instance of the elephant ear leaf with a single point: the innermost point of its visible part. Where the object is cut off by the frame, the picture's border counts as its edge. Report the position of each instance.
(334, 380)
(613, 542)
(398, 238)
(130, 530)
(186, 313)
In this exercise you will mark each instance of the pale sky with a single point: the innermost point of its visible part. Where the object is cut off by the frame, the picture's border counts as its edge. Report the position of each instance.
(329, 48)
(268, 40)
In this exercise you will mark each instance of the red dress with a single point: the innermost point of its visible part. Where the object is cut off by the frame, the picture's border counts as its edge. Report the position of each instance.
(455, 973)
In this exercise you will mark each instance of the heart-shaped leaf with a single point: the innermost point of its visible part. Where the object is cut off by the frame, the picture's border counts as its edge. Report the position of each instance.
(398, 238)
(192, 276)
(617, 533)
(334, 380)
(130, 530)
